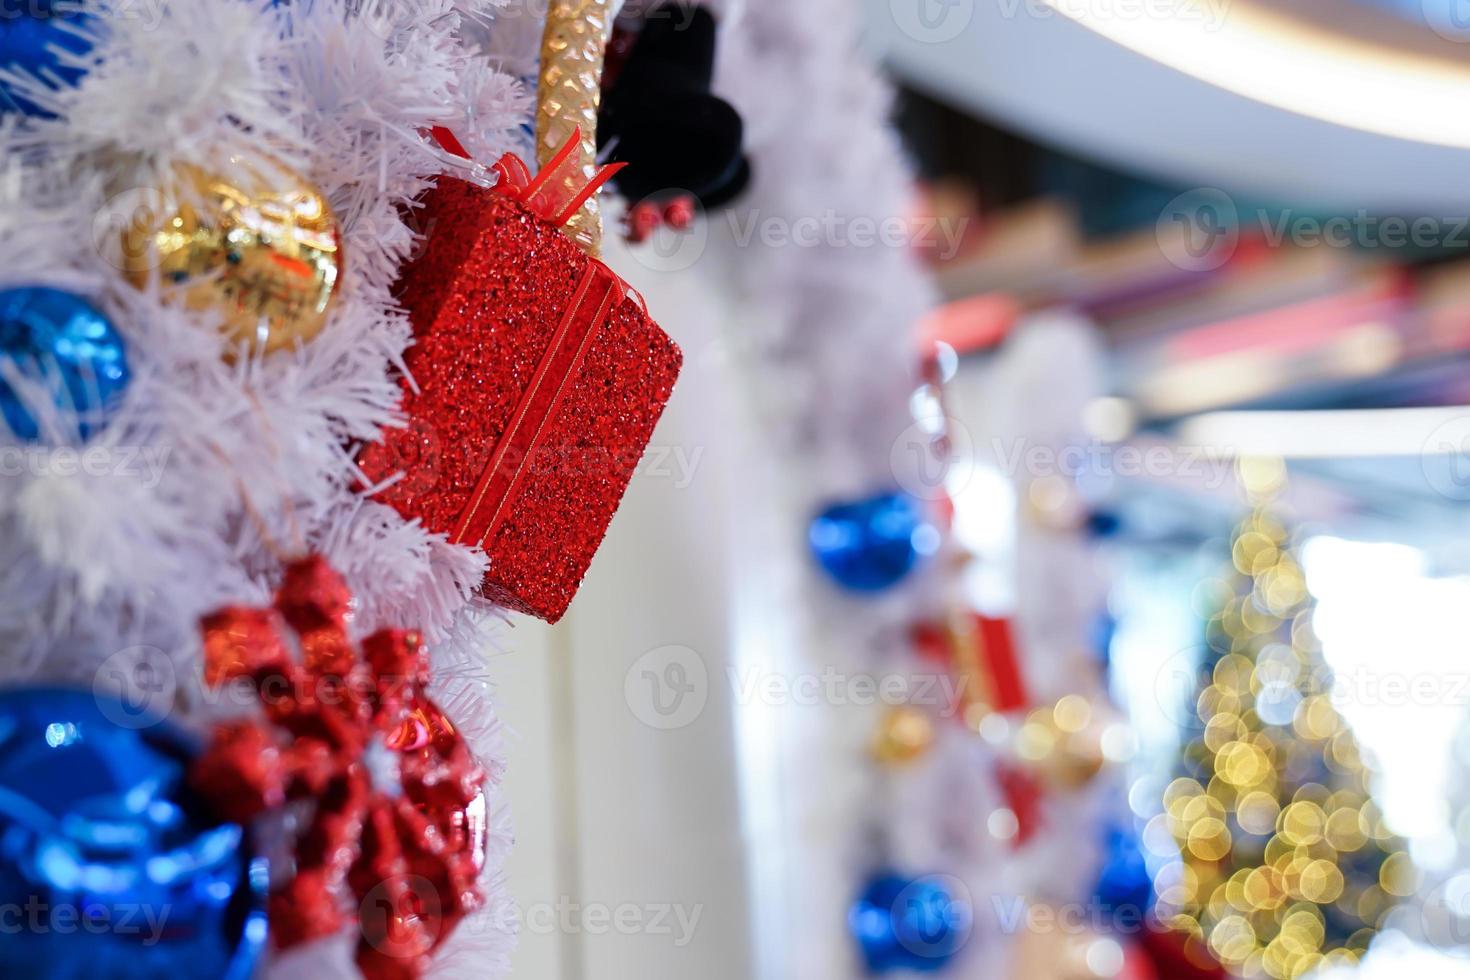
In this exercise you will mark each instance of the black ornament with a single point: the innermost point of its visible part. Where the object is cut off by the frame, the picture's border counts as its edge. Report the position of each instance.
(660, 116)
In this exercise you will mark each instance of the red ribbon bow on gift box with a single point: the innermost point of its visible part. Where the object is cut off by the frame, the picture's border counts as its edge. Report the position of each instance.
(555, 195)
(407, 856)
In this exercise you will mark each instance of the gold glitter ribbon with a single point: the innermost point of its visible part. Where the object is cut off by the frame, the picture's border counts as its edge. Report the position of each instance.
(573, 48)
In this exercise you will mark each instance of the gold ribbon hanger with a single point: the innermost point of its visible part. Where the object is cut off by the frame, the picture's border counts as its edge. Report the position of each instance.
(569, 94)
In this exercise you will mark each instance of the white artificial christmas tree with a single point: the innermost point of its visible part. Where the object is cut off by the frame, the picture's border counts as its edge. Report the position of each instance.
(248, 456)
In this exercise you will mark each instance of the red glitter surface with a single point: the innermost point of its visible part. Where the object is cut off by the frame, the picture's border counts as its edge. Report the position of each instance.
(485, 297)
(405, 859)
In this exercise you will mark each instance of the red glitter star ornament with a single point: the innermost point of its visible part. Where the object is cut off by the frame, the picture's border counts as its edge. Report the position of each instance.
(404, 850)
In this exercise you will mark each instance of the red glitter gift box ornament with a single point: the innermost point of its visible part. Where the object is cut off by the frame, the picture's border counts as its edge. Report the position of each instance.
(537, 379)
(981, 652)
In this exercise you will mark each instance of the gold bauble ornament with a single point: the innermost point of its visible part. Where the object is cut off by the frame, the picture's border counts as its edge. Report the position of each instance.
(904, 734)
(254, 242)
(1067, 744)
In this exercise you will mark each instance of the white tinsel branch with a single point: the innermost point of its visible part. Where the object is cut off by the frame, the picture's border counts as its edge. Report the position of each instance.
(213, 469)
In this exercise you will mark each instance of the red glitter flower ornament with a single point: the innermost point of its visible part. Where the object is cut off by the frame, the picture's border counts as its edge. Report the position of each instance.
(405, 848)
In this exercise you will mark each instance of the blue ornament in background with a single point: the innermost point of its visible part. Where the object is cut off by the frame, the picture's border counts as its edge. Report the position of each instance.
(1125, 891)
(916, 924)
(66, 351)
(1103, 523)
(33, 37)
(871, 545)
(1102, 631)
(117, 869)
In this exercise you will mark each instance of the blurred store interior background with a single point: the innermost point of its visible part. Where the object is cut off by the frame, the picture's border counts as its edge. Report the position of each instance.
(1264, 280)
(1261, 211)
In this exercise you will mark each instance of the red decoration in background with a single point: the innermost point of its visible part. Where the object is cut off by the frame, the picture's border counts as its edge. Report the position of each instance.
(982, 653)
(1172, 958)
(641, 222)
(969, 325)
(402, 860)
(1022, 792)
(1138, 964)
(644, 218)
(539, 378)
(998, 648)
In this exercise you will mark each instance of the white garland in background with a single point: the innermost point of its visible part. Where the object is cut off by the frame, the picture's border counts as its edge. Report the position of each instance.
(828, 343)
(1030, 398)
(826, 339)
(214, 465)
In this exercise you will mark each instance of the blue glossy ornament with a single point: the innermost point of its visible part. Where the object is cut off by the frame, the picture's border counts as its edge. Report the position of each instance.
(33, 37)
(63, 346)
(1103, 523)
(916, 924)
(109, 866)
(1124, 891)
(871, 545)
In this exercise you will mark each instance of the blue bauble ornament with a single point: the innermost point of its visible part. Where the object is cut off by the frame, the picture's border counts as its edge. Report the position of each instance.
(870, 545)
(33, 36)
(1124, 891)
(910, 924)
(109, 866)
(68, 349)
(1103, 523)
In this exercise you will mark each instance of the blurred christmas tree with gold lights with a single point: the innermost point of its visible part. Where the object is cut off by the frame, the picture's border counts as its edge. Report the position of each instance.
(1285, 864)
